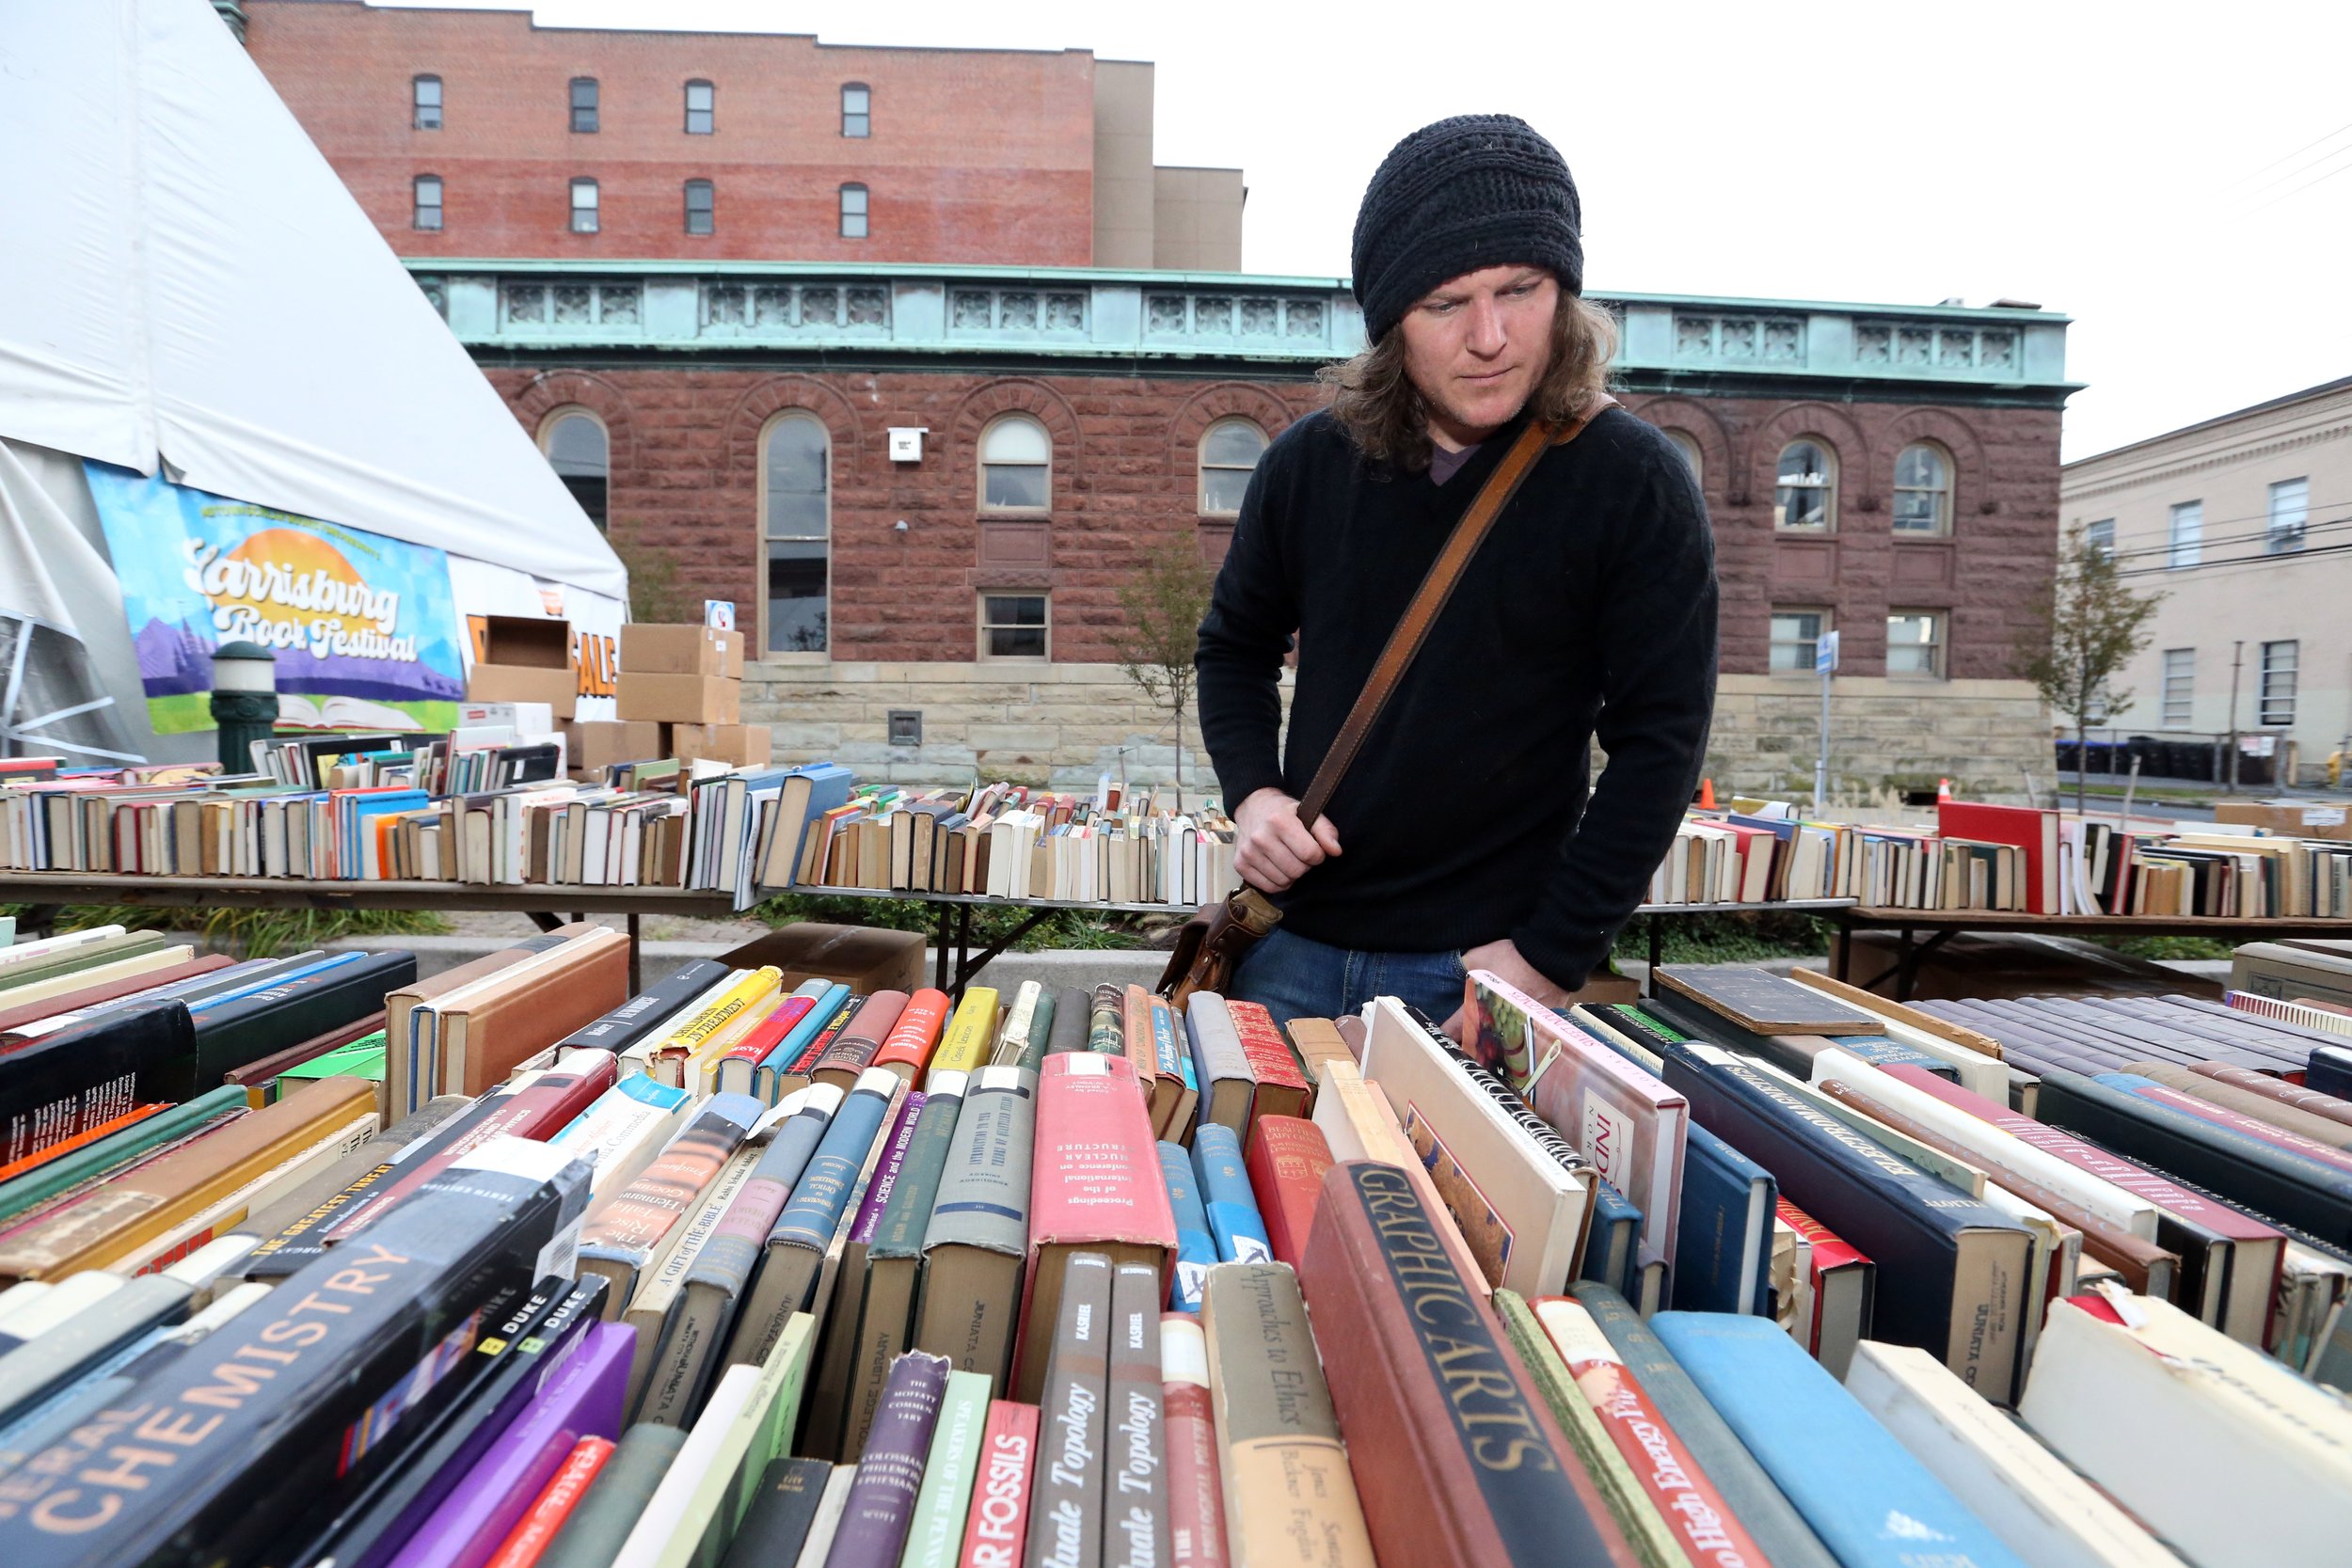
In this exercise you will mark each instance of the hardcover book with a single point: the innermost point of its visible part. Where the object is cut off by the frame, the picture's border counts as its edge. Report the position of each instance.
(1135, 1508)
(1066, 1503)
(970, 1031)
(1196, 1248)
(859, 1042)
(837, 1351)
(936, 1531)
(1219, 1062)
(592, 1537)
(776, 1526)
(996, 1528)
(873, 1529)
(1195, 1498)
(894, 1257)
(1290, 1500)
(1094, 1186)
(1224, 1195)
(1282, 1089)
(907, 1049)
(626, 1230)
(1286, 1160)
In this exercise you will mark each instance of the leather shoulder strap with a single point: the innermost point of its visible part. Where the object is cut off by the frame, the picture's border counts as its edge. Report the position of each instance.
(1430, 598)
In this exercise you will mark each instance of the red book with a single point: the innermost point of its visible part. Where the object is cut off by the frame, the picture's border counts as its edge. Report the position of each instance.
(907, 1049)
(538, 1111)
(2029, 828)
(739, 1069)
(1843, 1283)
(2238, 1121)
(1196, 1496)
(998, 1523)
(1702, 1524)
(1283, 1088)
(1286, 1160)
(1456, 1456)
(2246, 1263)
(1094, 1186)
(532, 1535)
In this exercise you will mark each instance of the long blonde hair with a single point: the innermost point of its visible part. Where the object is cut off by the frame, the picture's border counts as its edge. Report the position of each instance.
(1386, 416)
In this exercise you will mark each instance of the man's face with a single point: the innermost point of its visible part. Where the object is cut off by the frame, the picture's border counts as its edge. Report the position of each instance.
(1477, 346)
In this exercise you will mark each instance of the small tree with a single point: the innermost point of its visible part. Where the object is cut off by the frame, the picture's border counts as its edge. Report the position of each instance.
(1162, 601)
(2086, 627)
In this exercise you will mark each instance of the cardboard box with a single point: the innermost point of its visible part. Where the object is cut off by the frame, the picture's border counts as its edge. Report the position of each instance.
(596, 744)
(860, 956)
(662, 650)
(738, 745)
(680, 698)
(2293, 818)
(526, 659)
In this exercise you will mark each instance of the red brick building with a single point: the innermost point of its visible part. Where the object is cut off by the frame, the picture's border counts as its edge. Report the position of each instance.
(480, 134)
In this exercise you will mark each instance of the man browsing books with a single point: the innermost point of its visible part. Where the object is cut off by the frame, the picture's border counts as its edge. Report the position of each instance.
(1461, 834)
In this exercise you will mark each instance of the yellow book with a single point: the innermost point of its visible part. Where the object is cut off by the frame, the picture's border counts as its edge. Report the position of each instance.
(965, 1048)
(703, 1066)
(115, 1218)
(665, 1055)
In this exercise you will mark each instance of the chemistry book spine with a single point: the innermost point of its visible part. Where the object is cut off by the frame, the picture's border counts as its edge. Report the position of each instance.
(285, 1425)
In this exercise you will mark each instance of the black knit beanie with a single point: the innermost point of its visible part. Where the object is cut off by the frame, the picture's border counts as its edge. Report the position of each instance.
(1475, 191)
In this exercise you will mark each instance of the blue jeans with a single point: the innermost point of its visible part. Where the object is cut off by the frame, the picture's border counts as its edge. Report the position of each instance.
(1294, 977)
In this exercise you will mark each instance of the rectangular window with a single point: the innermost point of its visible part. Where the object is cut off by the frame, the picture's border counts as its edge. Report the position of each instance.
(1914, 643)
(2277, 689)
(2180, 687)
(857, 118)
(701, 109)
(426, 99)
(1012, 626)
(1795, 634)
(700, 218)
(854, 211)
(583, 103)
(2188, 534)
(583, 206)
(428, 214)
(2099, 537)
(2290, 504)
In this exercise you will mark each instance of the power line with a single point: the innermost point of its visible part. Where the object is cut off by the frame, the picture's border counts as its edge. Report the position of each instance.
(2305, 147)
(2301, 169)
(2237, 561)
(2165, 547)
(2300, 189)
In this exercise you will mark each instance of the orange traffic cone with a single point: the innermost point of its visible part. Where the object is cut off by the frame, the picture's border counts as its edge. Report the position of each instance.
(1707, 795)
(1943, 791)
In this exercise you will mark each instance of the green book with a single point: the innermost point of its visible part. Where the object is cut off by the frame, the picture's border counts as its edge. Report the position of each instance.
(601, 1520)
(936, 1536)
(894, 1259)
(1636, 1515)
(362, 1058)
(92, 1160)
(72, 961)
(1040, 1029)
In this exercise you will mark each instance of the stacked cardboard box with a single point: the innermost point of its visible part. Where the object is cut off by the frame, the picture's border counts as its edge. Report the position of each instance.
(525, 659)
(680, 694)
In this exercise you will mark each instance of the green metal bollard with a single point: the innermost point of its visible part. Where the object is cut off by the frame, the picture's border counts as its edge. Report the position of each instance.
(245, 700)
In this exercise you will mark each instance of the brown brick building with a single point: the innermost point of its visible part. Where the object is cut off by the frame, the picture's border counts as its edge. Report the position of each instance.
(922, 461)
(480, 134)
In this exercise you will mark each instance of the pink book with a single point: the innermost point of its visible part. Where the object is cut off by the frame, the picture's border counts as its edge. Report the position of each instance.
(582, 1397)
(998, 1523)
(1094, 1186)
(2236, 1121)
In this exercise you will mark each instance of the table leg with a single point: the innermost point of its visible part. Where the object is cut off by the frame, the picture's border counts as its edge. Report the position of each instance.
(38, 921)
(1657, 949)
(636, 955)
(947, 923)
(967, 965)
(546, 922)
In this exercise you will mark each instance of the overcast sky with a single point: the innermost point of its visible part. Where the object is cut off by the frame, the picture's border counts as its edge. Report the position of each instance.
(2177, 180)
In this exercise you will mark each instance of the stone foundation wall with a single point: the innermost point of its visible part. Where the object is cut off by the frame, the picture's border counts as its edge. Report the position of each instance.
(1064, 725)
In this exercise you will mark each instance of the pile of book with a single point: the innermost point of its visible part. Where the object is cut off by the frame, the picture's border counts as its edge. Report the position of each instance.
(1007, 841)
(741, 1271)
(2021, 859)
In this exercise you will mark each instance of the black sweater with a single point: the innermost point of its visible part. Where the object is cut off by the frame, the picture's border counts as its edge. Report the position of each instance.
(1589, 610)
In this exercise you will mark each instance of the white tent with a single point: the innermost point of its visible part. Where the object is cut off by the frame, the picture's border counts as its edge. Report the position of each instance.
(186, 285)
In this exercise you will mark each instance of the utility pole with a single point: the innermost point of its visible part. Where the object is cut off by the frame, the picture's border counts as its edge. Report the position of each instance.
(2237, 653)
(1824, 664)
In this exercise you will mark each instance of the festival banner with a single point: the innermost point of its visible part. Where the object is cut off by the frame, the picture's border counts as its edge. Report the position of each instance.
(365, 630)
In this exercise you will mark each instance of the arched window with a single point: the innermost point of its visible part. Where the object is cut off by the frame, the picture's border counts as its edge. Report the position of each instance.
(700, 216)
(1923, 489)
(796, 516)
(1806, 498)
(1016, 465)
(424, 96)
(1229, 453)
(428, 205)
(1688, 444)
(583, 103)
(578, 450)
(857, 109)
(702, 108)
(854, 211)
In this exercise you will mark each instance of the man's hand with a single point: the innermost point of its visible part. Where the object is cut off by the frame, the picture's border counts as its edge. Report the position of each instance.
(1502, 960)
(1270, 849)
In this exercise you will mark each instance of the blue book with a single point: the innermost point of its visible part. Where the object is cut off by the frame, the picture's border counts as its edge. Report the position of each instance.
(796, 1040)
(1881, 1052)
(1234, 1217)
(267, 981)
(1195, 1251)
(829, 785)
(1870, 1502)
(1723, 1259)
(825, 1187)
(1610, 1247)
(358, 818)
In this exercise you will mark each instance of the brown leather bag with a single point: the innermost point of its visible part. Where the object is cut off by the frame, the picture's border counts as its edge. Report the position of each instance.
(1209, 947)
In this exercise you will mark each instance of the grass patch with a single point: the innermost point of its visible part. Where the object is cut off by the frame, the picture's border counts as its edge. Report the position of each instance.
(1060, 929)
(2157, 949)
(1723, 939)
(256, 933)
